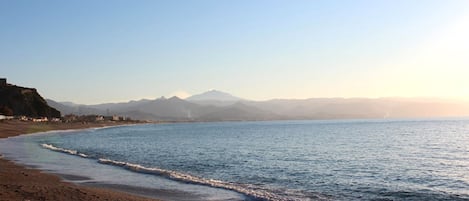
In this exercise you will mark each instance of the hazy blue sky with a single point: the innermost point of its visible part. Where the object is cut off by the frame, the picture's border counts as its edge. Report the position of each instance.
(107, 51)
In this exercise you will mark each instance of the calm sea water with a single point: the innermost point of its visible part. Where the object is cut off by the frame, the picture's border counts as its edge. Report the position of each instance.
(280, 160)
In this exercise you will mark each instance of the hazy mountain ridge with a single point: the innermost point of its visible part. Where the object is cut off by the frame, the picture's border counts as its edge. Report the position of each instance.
(332, 108)
(172, 109)
(206, 107)
(214, 98)
(72, 108)
(213, 95)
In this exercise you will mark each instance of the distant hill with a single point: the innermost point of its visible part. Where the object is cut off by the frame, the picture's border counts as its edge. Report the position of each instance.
(72, 108)
(221, 106)
(214, 97)
(16, 100)
(346, 108)
(172, 109)
(238, 111)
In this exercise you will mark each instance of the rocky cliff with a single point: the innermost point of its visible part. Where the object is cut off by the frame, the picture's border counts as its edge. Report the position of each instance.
(16, 100)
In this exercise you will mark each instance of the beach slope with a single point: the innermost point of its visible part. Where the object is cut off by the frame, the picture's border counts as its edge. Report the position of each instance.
(22, 183)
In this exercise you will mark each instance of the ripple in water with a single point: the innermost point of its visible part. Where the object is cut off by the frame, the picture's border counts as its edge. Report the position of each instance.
(293, 160)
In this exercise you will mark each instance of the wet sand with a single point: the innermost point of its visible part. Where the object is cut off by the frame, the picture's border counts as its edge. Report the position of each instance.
(23, 183)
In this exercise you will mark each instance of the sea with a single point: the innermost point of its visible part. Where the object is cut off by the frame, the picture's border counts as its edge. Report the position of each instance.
(381, 159)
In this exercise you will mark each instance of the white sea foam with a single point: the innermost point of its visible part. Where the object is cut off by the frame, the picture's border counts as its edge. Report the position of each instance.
(67, 151)
(247, 189)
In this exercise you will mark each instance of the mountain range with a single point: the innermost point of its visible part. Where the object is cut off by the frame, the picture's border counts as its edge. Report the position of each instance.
(221, 106)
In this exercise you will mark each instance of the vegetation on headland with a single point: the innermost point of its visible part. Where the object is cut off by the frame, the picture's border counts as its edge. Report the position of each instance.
(25, 104)
(22, 101)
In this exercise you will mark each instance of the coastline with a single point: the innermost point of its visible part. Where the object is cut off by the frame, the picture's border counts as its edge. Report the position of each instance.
(24, 183)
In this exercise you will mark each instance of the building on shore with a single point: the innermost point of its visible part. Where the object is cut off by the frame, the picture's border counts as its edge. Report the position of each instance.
(5, 117)
(3, 82)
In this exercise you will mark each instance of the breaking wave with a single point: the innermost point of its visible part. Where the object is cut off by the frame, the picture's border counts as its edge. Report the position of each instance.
(249, 190)
(178, 176)
(67, 151)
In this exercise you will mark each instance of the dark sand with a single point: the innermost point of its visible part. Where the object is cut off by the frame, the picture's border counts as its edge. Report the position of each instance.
(23, 183)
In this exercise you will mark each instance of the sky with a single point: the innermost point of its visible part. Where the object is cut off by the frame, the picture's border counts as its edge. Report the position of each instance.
(111, 50)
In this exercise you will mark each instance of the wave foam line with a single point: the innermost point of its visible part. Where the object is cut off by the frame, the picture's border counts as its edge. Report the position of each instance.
(178, 176)
(67, 151)
(247, 189)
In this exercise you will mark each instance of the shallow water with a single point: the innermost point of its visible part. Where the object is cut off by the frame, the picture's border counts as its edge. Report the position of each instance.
(277, 160)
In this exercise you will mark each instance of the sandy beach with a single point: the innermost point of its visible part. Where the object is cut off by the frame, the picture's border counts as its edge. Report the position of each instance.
(24, 183)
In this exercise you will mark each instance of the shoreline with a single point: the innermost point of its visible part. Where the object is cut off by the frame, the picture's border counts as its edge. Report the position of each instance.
(18, 182)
